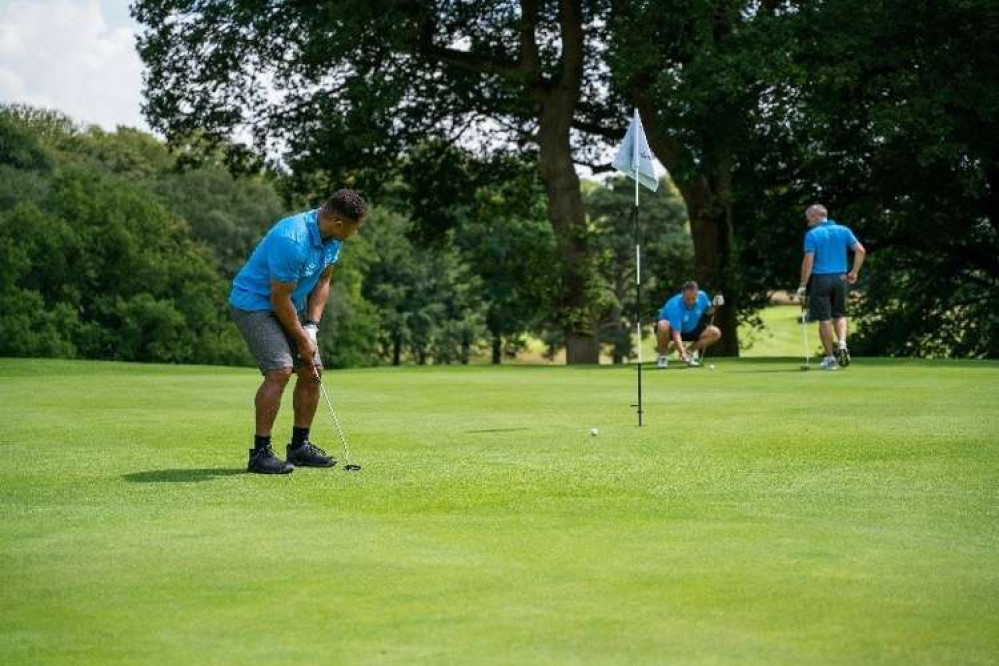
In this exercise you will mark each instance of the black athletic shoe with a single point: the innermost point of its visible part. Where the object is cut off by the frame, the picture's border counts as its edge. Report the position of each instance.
(309, 455)
(263, 461)
(843, 356)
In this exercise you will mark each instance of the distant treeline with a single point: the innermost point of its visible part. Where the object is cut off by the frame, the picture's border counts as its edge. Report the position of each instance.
(114, 247)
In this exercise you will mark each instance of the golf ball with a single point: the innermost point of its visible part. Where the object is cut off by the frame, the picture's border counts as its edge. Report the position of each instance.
(593, 432)
(711, 367)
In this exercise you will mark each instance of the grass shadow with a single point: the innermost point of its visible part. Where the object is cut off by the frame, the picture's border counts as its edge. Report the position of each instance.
(488, 430)
(180, 475)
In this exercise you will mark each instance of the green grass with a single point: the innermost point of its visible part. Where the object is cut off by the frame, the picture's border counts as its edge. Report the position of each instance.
(780, 335)
(762, 516)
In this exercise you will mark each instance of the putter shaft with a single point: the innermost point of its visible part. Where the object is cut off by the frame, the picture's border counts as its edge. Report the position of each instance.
(336, 421)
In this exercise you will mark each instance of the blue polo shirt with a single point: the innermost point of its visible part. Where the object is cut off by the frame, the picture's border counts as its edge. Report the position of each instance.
(829, 241)
(292, 251)
(684, 318)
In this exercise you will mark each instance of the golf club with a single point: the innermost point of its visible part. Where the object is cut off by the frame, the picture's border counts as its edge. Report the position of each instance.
(348, 467)
(803, 322)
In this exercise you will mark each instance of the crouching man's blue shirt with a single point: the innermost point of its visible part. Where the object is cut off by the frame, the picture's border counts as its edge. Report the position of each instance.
(292, 251)
(681, 317)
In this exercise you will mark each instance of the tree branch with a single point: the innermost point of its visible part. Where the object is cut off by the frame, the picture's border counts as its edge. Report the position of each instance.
(463, 60)
(613, 133)
(596, 168)
(469, 62)
(570, 19)
(530, 61)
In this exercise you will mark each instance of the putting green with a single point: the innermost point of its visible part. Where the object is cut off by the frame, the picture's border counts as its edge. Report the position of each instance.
(763, 515)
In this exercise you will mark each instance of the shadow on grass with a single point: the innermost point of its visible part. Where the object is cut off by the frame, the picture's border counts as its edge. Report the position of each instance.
(180, 475)
(488, 430)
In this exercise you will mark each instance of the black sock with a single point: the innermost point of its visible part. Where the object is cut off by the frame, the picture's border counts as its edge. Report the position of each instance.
(299, 436)
(261, 442)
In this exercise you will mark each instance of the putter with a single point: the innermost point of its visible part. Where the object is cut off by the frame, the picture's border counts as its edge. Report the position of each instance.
(349, 466)
(804, 335)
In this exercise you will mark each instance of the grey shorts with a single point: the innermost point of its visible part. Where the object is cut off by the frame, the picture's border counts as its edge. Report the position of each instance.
(827, 297)
(270, 345)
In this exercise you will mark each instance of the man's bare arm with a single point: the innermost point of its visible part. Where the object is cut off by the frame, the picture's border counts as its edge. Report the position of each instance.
(859, 253)
(319, 295)
(806, 269)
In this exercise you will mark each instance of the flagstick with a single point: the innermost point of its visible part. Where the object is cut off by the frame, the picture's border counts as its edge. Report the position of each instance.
(638, 295)
(633, 150)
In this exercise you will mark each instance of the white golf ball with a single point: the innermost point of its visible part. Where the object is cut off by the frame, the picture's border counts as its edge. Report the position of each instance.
(711, 367)
(593, 432)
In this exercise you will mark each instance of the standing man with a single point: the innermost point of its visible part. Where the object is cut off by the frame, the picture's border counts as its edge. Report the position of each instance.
(681, 320)
(277, 302)
(826, 244)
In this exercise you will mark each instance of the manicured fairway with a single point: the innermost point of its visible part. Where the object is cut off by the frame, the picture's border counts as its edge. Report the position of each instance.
(763, 515)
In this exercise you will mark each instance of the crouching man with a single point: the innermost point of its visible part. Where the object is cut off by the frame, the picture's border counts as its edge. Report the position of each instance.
(684, 319)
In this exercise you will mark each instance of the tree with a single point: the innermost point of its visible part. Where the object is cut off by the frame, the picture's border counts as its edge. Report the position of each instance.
(99, 269)
(363, 81)
(701, 74)
(429, 302)
(504, 237)
(227, 213)
(891, 118)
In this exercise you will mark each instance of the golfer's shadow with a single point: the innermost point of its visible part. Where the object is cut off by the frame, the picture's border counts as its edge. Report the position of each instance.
(180, 475)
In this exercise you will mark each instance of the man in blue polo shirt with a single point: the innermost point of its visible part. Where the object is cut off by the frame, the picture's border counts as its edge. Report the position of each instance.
(826, 245)
(277, 301)
(681, 320)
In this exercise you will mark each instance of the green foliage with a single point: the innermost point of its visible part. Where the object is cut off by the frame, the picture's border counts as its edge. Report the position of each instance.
(19, 149)
(900, 143)
(429, 303)
(92, 264)
(507, 242)
(352, 327)
(227, 213)
(112, 251)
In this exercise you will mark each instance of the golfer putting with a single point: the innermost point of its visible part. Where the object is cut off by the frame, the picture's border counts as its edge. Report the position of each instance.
(824, 264)
(684, 319)
(277, 302)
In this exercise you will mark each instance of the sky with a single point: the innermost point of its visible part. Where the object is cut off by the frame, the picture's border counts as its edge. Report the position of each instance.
(76, 56)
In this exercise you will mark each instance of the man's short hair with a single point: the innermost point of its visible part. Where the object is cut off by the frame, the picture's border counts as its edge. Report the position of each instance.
(346, 203)
(817, 208)
(690, 285)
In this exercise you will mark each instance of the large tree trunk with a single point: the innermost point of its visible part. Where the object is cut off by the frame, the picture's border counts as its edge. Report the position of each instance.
(711, 229)
(568, 220)
(556, 105)
(497, 349)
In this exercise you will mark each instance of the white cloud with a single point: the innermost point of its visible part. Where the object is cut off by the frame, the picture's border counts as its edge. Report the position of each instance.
(62, 54)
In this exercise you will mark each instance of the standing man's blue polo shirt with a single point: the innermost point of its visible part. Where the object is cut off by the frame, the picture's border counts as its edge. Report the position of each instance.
(829, 241)
(682, 318)
(292, 251)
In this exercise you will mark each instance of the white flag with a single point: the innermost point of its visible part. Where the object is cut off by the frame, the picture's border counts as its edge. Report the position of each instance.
(634, 157)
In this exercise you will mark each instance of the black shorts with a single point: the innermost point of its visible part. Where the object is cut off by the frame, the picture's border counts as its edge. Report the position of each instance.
(692, 336)
(827, 297)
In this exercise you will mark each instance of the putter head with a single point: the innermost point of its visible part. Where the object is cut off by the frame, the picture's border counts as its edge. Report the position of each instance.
(352, 468)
